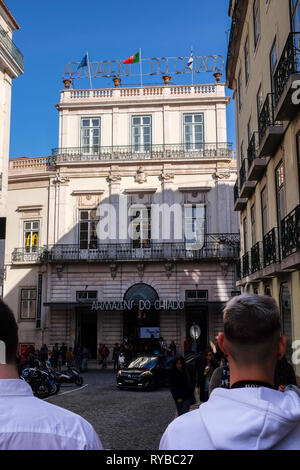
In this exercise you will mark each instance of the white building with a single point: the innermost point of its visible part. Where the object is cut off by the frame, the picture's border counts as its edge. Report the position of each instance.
(11, 66)
(152, 147)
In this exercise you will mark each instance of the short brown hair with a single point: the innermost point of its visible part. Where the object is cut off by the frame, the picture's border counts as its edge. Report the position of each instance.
(251, 326)
(8, 332)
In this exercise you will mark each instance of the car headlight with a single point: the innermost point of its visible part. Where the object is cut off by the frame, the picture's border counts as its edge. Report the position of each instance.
(147, 372)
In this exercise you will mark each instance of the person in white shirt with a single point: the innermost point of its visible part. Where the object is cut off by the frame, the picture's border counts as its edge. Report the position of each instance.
(252, 414)
(26, 422)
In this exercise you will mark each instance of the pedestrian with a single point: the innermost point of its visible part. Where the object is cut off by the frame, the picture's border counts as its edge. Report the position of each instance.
(163, 346)
(60, 360)
(26, 422)
(104, 355)
(63, 351)
(172, 348)
(78, 357)
(116, 352)
(54, 356)
(182, 386)
(100, 360)
(252, 414)
(205, 372)
(85, 358)
(186, 346)
(284, 374)
(70, 356)
(44, 354)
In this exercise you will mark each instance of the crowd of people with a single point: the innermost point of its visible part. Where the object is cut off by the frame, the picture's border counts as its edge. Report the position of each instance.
(250, 400)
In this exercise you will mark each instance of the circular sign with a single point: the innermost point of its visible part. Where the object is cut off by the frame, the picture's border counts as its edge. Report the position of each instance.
(195, 332)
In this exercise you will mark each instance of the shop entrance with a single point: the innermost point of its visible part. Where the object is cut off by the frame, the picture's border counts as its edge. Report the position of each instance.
(86, 329)
(140, 324)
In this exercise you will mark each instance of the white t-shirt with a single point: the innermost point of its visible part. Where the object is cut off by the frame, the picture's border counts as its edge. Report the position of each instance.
(28, 423)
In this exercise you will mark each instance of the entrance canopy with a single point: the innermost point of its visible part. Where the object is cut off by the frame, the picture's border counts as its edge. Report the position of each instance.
(141, 292)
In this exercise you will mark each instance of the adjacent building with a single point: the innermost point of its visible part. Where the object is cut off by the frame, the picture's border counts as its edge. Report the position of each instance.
(11, 66)
(263, 69)
(128, 228)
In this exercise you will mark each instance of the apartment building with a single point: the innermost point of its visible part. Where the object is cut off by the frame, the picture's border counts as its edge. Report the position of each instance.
(263, 67)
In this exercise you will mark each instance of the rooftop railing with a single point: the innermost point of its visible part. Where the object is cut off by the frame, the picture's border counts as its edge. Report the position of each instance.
(144, 152)
(290, 233)
(11, 48)
(288, 65)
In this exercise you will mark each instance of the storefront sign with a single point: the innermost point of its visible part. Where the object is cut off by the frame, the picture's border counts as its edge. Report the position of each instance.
(141, 304)
(152, 66)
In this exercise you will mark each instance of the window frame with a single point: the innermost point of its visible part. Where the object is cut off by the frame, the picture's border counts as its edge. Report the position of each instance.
(193, 145)
(33, 232)
(256, 22)
(30, 289)
(90, 149)
(89, 221)
(141, 147)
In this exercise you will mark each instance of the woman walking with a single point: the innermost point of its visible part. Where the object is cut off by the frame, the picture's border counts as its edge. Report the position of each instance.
(182, 386)
(205, 372)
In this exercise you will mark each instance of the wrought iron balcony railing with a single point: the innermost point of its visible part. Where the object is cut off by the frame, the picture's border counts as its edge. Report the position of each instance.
(219, 246)
(243, 172)
(256, 258)
(288, 65)
(290, 233)
(11, 48)
(252, 151)
(271, 248)
(266, 118)
(246, 265)
(220, 150)
(25, 255)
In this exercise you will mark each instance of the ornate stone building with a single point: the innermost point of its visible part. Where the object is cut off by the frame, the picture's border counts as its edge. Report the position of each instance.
(128, 228)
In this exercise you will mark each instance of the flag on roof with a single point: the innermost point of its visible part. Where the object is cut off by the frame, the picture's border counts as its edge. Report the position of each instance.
(83, 63)
(191, 61)
(134, 59)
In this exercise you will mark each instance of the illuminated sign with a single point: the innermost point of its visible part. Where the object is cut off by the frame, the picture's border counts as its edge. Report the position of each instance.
(141, 304)
(153, 66)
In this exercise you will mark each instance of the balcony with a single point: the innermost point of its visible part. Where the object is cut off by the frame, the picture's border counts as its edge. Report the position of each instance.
(290, 239)
(205, 151)
(256, 164)
(256, 258)
(23, 255)
(270, 131)
(246, 187)
(238, 19)
(239, 204)
(216, 247)
(271, 248)
(286, 74)
(11, 49)
(245, 265)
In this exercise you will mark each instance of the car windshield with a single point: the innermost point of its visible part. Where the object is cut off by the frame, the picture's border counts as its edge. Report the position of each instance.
(143, 363)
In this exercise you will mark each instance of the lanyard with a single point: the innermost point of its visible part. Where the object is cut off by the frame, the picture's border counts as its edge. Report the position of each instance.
(251, 384)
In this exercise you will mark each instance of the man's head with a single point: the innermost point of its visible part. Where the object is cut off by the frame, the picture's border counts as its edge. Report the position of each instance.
(8, 333)
(252, 331)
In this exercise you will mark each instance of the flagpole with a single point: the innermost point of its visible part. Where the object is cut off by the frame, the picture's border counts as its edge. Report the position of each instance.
(141, 67)
(88, 60)
(192, 65)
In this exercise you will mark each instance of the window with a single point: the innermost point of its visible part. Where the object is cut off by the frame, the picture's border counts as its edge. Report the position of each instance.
(295, 10)
(196, 295)
(31, 236)
(86, 296)
(253, 225)
(28, 304)
(259, 101)
(88, 221)
(245, 235)
(90, 135)
(273, 62)
(239, 90)
(193, 131)
(247, 59)
(194, 224)
(264, 210)
(249, 131)
(242, 151)
(141, 226)
(141, 133)
(280, 192)
(256, 22)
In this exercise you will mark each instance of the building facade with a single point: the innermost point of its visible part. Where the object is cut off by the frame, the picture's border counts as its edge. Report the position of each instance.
(128, 228)
(11, 66)
(263, 69)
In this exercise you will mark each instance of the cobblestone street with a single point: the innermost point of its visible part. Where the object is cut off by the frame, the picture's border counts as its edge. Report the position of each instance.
(124, 419)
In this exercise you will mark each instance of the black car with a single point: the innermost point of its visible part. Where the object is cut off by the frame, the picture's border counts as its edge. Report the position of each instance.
(146, 373)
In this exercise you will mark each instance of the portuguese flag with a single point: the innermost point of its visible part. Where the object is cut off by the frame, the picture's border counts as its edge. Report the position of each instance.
(134, 59)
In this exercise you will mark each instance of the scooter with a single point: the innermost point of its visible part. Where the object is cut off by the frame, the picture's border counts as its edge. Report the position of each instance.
(72, 375)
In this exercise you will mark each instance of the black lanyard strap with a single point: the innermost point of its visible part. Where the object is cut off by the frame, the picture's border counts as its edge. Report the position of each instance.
(251, 384)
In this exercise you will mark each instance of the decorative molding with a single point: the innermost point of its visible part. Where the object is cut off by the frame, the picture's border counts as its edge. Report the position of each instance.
(196, 189)
(166, 176)
(87, 191)
(221, 175)
(169, 269)
(140, 190)
(113, 270)
(141, 176)
(140, 269)
(59, 269)
(114, 177)
(33, 208)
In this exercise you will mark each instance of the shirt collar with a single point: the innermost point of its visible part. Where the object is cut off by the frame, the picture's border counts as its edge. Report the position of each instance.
(14, 387)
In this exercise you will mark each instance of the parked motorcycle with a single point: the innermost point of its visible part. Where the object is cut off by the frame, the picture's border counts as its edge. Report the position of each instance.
(71, 375)
(42, 381)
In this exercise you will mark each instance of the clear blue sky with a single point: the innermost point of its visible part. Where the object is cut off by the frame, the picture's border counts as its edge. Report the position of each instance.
(55, 32)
